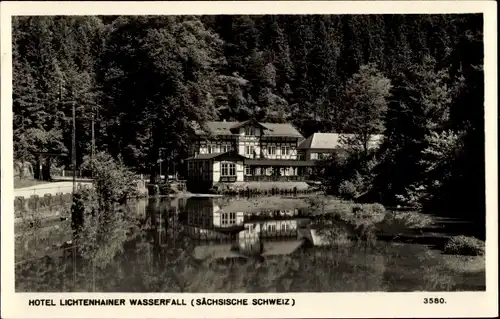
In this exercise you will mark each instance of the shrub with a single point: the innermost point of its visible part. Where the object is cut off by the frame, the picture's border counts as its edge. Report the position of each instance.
(334, 235)
(153, 190)
(408, 220)
(464, 245)
(368, 213)
(113, 182)
(348, 190)
(164, 189)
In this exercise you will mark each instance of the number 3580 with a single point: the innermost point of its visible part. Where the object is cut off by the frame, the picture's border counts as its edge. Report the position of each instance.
(430, 301)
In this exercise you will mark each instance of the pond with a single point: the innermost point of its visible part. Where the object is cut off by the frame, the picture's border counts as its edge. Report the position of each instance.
(197, 245)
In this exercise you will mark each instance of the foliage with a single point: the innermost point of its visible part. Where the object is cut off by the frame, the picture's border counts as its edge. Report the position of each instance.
(439, 161)
(113, 182)
(368, 213)
(366, 98)
(146, 81)
(402, 221)
(351, 189)
(348, 174)
(464, 245)
(100, 218)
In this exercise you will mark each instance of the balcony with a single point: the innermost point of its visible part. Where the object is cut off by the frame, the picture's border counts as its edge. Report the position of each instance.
(266, 178)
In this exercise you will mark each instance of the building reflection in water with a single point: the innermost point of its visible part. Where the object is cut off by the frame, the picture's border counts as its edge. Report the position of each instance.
(222, 233)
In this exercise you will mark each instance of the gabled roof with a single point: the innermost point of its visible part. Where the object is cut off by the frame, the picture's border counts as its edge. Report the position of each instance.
(251, 122)
(271, 248)
(215, 155)
(270, 129)
(335, 140)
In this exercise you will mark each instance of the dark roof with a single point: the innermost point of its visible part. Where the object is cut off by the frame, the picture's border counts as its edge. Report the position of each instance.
(213, 156)
(335, 140)
(240, 124)
(271, 129)
(276, 162)
(271, 248)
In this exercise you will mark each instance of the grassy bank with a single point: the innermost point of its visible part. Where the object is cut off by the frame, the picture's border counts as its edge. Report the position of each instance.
(261, 188)
(336, 219)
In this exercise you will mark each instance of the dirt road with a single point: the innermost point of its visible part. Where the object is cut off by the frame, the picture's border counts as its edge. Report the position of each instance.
(49, 188)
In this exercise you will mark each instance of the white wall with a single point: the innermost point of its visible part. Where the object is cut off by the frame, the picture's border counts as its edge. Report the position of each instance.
(216, 169)
(238, 220)
(215, 147)
(292, 150)
(277, 225)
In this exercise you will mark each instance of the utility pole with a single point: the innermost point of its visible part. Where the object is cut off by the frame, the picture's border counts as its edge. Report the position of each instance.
(73, 150)
(161, 160)
(73, 161)
(93, 142)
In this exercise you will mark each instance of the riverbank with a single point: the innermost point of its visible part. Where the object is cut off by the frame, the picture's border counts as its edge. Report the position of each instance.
(407, 260)
(262, 188)
(386, 266)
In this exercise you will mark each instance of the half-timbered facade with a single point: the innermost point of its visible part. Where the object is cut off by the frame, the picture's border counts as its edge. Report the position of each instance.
(207, 220)
(225, 152)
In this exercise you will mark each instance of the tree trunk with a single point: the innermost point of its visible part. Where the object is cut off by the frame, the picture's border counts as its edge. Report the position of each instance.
(153, 177)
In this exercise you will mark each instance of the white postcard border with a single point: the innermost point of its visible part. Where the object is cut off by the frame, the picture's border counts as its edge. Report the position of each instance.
(307, 305)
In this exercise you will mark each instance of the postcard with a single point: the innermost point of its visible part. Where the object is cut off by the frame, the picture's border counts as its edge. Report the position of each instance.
(239, 159)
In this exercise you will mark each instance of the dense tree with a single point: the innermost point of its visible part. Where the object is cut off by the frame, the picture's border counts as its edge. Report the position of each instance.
(160, 81)
(366, 98)
(146, 80)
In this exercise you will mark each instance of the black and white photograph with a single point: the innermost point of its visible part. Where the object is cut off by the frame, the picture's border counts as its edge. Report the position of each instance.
(248, 153)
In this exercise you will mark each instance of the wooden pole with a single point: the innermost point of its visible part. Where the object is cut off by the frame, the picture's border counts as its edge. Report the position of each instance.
(93, 143)
(73, 150)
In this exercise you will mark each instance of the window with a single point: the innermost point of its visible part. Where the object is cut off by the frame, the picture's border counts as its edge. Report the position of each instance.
(228, 169)
(209, 149)
(285, 150)
(249, 130)
(224, 218)
(232, 218)
(302, 156)
(283, 227)
(271, 150)
(249, 150)
(314, 156)
(268, 171)
(248, 170)
(225, 148)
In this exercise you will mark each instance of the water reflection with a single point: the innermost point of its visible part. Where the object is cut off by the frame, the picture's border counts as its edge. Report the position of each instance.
(235, 234)
(198, 245)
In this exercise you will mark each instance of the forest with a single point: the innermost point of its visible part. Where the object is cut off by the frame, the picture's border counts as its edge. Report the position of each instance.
(145, 81)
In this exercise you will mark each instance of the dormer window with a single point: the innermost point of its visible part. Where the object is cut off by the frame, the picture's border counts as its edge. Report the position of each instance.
(250, 130)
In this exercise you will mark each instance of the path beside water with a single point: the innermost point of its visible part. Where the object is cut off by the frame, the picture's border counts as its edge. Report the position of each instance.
(48, 188)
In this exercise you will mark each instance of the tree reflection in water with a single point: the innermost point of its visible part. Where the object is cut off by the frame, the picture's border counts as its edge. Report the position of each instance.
(154, 253)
